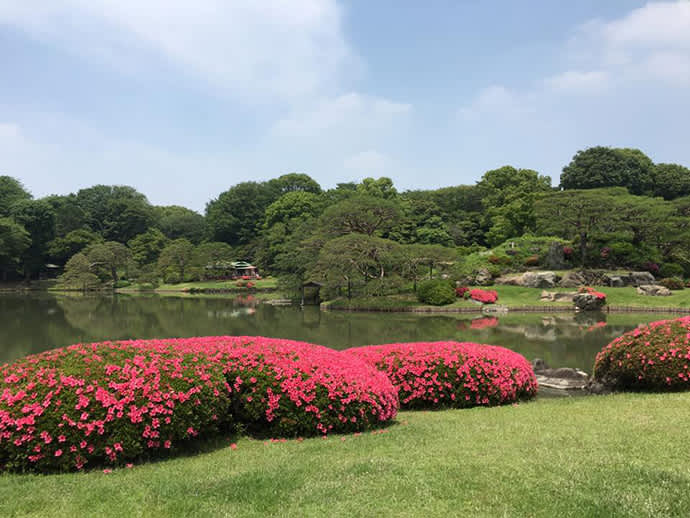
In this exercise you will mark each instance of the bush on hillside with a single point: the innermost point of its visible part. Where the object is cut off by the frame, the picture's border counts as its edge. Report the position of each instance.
(653, 357)
(436, 292)
(484, 296)
(672, 283)
(671, 270)
(452, 374)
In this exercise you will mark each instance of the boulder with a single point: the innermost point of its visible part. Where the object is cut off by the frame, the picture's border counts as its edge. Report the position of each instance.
(555, 258)
(555, 296)
(615, 281)
(573, 280)
(531, 280)
(563, 379)
(483, 277)
(588, 302)
(629, 279)
(640, 278)
(653, 290)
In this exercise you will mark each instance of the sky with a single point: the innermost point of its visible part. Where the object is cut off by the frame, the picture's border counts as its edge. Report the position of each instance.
(182, 100)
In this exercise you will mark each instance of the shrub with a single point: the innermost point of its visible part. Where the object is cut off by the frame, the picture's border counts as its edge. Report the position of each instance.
(653, 357)
(289, 388)
(122, 284)
(461, 290)
(671, 270)
(532, 260)
(105, 403)
(651, 267)
(452, 374)
(484, 296)
(436, 292)
(672, 283)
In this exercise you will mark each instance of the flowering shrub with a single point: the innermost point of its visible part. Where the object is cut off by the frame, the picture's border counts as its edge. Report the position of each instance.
(652, 268)
(461, 290)
(114, 402)
(592, 291)
(289, 388)
(652, 357)
(105, 403)
(568, 251)
(452, 374)
(484, 296)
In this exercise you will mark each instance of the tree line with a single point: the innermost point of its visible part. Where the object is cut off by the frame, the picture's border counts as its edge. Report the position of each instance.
(616, 207)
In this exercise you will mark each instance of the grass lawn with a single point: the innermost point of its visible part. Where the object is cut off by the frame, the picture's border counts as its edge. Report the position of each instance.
(516, 296)
(269, 283)
(621, 455)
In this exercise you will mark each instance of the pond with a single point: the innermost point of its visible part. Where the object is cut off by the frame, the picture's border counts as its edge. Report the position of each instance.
(37, 322)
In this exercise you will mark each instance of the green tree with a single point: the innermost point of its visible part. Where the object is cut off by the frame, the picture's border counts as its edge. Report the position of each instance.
(78, 274)
(14, 241)
(38, 219)
(361, 214)
(11, 191)
(117, 212)
(671, 181)
(106, 258)
(600, 166)
(176, 222)
(378, 188)
(294, 182)
(69, 216)
(147, 247)
(62, 248)
(236, 216)
(577, 214)
(178, 256)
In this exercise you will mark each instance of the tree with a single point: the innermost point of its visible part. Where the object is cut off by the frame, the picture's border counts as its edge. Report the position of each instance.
(62, 248)
(69, 216)
(419, 260)
(295, 205)
(176, 222)
(508, 196)
(107, 257)
(235, 217)
(600, 166)
(147, 247)
(11, 191)
(294, 182)
(212, 253)
(117, 212)
(377, 188)
(78, 274)
(38, 219)
(177, 256)
(671, 181)
(361, 214)
(577, 214)
(14, 241)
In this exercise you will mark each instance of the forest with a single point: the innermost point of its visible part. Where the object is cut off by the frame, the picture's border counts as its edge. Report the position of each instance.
(614, 208)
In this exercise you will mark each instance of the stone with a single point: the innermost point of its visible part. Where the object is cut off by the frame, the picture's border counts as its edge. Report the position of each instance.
(562, 379)
(614, 281)
(572, 280)
(555, 258)
(556, 296)
(588, 302)
(531, 280)
(483, 277)
(653, 290)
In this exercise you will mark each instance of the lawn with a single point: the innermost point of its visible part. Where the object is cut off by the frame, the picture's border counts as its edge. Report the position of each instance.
(517, 296)
(620, 455)
(269, 283)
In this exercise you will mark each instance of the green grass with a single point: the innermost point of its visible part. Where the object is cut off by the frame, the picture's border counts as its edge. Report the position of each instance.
(612, 456)
(268, 283)
(516, 296)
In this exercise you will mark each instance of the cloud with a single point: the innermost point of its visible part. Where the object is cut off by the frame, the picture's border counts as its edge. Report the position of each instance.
(256, 49)
(574, 81)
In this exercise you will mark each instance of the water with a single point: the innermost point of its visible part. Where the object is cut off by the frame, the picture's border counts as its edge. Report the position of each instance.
(37, 322)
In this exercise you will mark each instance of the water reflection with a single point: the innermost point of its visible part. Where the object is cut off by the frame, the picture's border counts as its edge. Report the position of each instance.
(32, 323)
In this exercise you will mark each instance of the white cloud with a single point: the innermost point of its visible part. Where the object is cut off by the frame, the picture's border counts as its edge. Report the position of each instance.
(349, 111)
(283, 48)
(578, 82)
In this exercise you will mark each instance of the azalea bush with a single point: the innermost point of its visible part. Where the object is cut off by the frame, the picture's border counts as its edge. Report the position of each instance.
(452, 374)
(655, 357)
(591, 291)
(288, 388)
(105, 403)
(484, 296)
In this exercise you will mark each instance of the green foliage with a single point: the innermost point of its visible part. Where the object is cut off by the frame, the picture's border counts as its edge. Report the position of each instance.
(671, 270)
(106, 258)
(294, 182)
(436, 292)
(78, 274)
(671, 181)
(179, 222)
(147, 247)
(362, 215)
(14, 241)
(175, 258)
(38, 219)
(672, 283)
(599, 166)
(11, 191)
(62, 248)
(378, 188)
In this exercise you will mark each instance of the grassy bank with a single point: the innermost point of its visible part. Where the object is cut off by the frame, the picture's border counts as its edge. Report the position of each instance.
(547, 458)
(268, 284)
(515, 297)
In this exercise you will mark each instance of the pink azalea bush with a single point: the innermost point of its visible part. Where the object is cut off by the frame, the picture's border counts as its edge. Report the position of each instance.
(452, 374)
(105, 403)
(592, 291)
(484, 296)
(655, 356)
(108, 403)
(288, 388)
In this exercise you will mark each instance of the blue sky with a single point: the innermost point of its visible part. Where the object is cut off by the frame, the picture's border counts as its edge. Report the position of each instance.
(184, 99)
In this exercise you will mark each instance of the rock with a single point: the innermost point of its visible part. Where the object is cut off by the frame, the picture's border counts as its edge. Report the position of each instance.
(629, 279)
(640, 278)
(614, 281)
(653, 290)
(556, 296)
(555, 258)
(563, 378)
(494, 308)
(588, 302)
(573, 280)
(531, 280)
(597, 387)
(483, 277)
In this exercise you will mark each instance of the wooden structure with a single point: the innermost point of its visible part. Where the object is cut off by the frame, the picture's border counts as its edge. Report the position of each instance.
(231, 270)
(311, 293)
